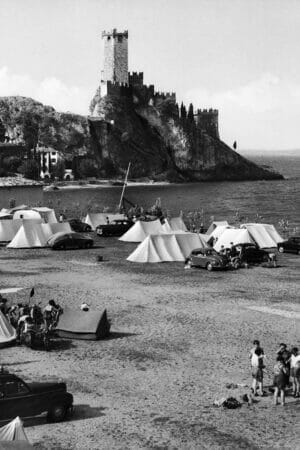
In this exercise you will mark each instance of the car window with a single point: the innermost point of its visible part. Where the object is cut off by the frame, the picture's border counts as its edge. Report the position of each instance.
(15, 388)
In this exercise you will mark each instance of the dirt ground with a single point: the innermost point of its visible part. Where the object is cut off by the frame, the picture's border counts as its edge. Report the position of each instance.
(178, 337)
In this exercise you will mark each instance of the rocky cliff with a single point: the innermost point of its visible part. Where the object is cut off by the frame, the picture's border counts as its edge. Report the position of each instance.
(161, 144)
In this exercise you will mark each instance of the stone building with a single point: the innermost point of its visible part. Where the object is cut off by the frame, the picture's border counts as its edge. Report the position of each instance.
(115, 57)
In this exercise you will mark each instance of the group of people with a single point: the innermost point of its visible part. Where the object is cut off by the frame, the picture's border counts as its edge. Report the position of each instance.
(24, 316)
(287, 366)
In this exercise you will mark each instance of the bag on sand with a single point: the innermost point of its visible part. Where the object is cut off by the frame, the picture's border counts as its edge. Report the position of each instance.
(231, 403)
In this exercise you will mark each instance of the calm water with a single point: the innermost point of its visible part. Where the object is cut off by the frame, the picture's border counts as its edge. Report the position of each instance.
(273, 200)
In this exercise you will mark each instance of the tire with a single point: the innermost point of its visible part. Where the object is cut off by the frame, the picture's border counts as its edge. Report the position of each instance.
(281, 249)
(57, 413)
(209, 267)
(100, 231)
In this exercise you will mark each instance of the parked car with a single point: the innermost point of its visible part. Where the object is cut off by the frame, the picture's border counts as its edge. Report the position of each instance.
(292, 245)
(251, 254)
(18, 398)
(64, 241)
(79, 226)
(208, 258)
(115, 228)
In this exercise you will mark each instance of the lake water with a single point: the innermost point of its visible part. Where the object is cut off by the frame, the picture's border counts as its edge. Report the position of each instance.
(272, 200)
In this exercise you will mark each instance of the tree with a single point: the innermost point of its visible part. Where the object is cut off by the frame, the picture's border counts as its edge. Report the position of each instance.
(190, 114)
(2, 131)
(30, 169)
(87, 168)
(182, 111)
(75, 168)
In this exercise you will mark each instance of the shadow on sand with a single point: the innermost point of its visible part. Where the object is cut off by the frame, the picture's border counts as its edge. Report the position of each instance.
(81, 412)
(118, 335)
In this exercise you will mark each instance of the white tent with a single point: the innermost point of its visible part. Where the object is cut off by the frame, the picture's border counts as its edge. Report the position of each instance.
(140, 230)
(52, 228)
(7, 332)
(213, 225)
(264, 235)
(29, 235)
(47, 214)
(233, 235)
(8, 229)
(95, 219)
(166, 247)
(13, 431)
(26, 214)
(176, 224)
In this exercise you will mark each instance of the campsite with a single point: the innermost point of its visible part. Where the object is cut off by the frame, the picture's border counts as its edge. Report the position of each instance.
(177, 338)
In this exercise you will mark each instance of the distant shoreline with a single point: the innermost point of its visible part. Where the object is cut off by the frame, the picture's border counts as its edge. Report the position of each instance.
(104, 185)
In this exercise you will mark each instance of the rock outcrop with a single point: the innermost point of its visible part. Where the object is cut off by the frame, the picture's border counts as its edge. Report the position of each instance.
(128, 125)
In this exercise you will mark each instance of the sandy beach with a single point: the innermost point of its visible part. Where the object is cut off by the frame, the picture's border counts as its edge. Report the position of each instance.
(178, 337)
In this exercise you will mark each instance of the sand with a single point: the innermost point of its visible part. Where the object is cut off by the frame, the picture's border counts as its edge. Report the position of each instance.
(178, 337)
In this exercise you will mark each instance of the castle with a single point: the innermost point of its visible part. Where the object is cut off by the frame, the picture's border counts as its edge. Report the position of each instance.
(117, 81)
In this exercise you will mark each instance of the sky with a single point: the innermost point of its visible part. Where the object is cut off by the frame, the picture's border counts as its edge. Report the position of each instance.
(239, 56)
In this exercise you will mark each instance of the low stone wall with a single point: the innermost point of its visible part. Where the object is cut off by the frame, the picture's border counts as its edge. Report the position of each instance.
(28, 195)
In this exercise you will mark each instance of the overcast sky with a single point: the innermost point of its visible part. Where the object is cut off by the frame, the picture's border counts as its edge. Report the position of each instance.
(240, 56)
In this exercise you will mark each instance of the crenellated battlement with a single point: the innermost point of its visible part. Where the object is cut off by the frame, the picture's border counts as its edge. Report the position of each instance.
(114, 33)
(136, 78)
(208, 120)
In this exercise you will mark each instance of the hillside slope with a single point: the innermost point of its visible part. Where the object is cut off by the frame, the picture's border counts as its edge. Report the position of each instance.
(126, 128)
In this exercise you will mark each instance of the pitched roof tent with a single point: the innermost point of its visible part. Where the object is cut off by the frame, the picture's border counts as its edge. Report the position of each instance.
(77, 324)
(7, 332)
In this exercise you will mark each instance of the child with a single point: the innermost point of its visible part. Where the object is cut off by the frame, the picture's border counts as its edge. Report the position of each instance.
(295, 371)
(280, 380)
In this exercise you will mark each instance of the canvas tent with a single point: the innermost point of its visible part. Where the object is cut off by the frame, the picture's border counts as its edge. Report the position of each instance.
(26, 214)
(233, 236)
(8, 229)
(177, 224)
(214, 225)
(264, 235)
(95, 219)
(141, 229)
(13, 431)
(77, 324)
(7, 332)
(30, 235)
(47, 214)
(166, 247)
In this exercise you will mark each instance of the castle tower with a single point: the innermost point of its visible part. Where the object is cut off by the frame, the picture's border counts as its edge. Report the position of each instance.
(115, 57)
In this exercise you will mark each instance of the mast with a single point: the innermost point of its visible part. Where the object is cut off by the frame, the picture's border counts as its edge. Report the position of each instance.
(124, 186)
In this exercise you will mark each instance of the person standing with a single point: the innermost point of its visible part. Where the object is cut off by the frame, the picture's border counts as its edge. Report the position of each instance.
(257, 365)
(280, 380)
(295, 371)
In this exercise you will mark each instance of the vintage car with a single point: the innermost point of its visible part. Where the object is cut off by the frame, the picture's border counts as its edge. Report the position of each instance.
(18, 398)
(64, 241)
(115, 228)
(79, 226)
(292, 245)
(250, 254)
(208, 258)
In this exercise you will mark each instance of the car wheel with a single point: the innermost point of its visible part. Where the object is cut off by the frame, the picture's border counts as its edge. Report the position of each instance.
(209, 267)
(281, 249)
(100, 231)
(57, 413)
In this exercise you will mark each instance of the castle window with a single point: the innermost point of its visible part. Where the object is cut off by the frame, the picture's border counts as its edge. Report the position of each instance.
(108, 38)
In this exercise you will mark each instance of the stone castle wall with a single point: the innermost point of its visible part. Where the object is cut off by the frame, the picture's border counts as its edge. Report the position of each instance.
(115, 56)
(208, 120)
